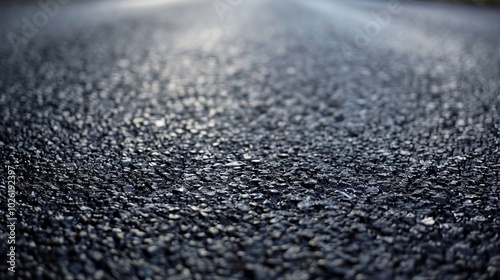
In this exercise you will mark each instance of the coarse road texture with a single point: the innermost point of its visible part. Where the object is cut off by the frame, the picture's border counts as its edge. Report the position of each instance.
(155, 140)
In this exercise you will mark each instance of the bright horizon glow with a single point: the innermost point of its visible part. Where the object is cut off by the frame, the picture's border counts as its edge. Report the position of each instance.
(147, 3)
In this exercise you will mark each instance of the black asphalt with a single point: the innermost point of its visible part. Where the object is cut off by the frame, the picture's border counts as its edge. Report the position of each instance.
(160, 141)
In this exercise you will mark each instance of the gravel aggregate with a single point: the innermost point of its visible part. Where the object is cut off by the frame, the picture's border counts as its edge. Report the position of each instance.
(165, 143)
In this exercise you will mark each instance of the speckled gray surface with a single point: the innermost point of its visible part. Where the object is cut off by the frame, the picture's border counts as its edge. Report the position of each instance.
(162, 142)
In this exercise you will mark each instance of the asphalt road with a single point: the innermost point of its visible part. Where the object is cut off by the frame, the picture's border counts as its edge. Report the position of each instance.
(288, 140)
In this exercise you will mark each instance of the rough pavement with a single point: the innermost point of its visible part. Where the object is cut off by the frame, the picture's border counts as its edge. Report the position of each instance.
(159, 141)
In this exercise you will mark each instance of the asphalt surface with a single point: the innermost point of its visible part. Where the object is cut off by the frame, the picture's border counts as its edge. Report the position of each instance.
(158, 141)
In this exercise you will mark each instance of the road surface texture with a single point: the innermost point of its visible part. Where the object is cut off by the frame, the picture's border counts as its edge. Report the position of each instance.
(275, 140)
